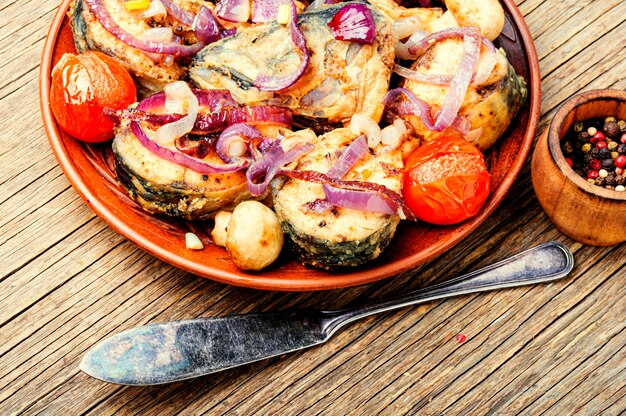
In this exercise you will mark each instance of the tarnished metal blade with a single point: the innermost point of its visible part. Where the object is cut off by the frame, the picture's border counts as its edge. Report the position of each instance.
(172, 351)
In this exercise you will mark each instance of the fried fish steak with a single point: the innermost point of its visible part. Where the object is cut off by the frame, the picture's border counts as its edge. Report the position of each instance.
(341, 79)
(490, 106)
(89, 34)
(340, 237)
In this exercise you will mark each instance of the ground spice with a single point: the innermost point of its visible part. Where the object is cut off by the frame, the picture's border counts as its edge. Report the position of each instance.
(596, 150)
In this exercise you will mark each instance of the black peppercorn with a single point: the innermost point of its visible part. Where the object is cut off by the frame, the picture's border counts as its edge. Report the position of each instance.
(621, 149)
(584, 137)
(608, 163)
(587, 158)
(567, 147)
(620, 180)
(594, 152)
(579, 172)
(610, 179)
(578, 127)
(610, 129)
(604, 153)
(599, 181)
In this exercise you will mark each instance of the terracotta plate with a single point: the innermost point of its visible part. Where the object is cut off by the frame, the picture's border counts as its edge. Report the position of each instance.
(87, 169)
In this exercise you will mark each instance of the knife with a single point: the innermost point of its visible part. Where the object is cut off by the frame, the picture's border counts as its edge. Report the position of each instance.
(179, 350)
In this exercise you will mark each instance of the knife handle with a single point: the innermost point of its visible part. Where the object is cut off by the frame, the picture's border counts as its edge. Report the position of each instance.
(544, 263)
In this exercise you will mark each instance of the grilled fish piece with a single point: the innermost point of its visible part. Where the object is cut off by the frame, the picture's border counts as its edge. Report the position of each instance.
(489, 107)
(89, 34)
(341, 237)
(342, 77)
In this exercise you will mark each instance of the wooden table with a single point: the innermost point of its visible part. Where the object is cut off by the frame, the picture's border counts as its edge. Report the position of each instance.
(67, 281)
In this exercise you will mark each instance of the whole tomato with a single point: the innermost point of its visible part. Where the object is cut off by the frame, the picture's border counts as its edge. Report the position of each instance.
(445, 181)
(82, 85)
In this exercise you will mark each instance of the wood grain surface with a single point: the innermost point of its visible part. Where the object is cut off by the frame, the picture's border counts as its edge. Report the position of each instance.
(68, 281)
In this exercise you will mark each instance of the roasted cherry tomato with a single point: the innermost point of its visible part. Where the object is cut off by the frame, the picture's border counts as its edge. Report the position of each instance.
(445, 181)
(84, 84)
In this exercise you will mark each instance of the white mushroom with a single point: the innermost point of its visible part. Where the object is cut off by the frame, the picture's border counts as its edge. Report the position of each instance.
(222, 219)
(254, 238)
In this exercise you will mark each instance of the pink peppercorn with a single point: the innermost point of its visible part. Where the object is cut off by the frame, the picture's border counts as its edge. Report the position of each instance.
(592, 174)
(595, 164)
(569, 162)
(620, 161)
(601, 144)
(623, 138)
(461, 338)
(599, 136)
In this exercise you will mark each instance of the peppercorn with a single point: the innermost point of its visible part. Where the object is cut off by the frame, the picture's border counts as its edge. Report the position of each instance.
(610, 129)
(584, 137)
(608, 164)
(609, 187)
(595, 164)
(596, 150)
(620, 188)
(610, 179)
(578, 127)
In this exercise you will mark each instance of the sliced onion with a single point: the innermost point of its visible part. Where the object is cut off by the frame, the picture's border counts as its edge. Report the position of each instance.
(405, 27)
(422, 76)
(233, 142)
(184, 16)
(280, 82)
(233, 10)
(360, 200)
(155, 9)
(102, 14)
(402, 51)
(354, 23)
(364, 187)
(218, 120)
(460, 82)
(179, 99)
(420, 46)
(271, 163)
(361, 123)
(224, 33)
(417, 107)
(159, 34)
(214, 100)
(486, 64)
(205, 26)
(355, 151)
(265, 10)
(180, 158)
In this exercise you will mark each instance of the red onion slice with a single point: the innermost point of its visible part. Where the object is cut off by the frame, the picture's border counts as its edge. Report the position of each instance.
(205, 26)
(184, 16)
(354, 23)
(214, 100)
(460, 82)
(178, 99)
(417, 107)
(382, 191)
(180, 158)
(233, 137)
(355, 151)
(420, 46)
(422, 76)
(102, 14)
(360, 200)
(265, 10)
(217, 121)
(237, 11)
(277, 83)
(271, 163)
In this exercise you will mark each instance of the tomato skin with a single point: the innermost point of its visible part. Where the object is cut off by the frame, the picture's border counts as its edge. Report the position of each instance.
(82, 85)
(453, 197)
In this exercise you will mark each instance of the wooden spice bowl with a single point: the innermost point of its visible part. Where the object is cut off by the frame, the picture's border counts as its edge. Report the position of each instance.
(583, 211)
